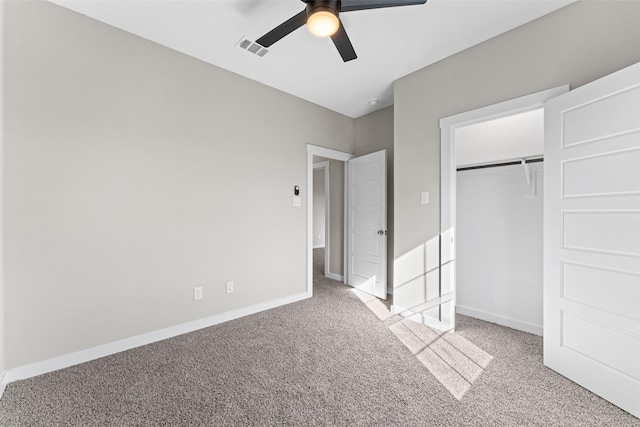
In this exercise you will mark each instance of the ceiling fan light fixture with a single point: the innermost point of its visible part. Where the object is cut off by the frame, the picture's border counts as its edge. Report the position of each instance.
(323, 22)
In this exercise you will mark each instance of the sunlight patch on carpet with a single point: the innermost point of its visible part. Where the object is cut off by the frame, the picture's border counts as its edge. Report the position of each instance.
(455, 361)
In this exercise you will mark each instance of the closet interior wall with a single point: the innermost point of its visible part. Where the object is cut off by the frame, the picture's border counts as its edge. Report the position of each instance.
(499, 245)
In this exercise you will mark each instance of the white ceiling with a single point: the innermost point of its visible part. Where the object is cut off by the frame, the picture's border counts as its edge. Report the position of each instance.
(390, 43)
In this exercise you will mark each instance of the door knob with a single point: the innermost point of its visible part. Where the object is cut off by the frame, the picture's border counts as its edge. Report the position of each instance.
(382, 232)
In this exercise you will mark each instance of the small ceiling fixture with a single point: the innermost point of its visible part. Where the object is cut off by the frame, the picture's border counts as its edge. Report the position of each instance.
(374, 102)
(323, 20)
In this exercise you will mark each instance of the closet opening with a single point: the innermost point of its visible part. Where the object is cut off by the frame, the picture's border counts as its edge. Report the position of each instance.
(493, 157)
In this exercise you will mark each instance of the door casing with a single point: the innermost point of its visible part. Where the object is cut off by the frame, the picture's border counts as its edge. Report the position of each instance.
(448, 125)
(325, 167)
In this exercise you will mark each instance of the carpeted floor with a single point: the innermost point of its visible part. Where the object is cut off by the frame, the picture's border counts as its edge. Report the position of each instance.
(329, 360)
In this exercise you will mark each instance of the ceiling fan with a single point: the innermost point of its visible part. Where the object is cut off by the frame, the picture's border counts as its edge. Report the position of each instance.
(322, 19)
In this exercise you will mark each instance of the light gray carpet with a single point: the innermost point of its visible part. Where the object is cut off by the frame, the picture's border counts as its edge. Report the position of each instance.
(328, 360)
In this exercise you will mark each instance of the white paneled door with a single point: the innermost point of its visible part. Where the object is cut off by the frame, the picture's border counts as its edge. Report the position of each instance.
(592, 237)
(367, 223)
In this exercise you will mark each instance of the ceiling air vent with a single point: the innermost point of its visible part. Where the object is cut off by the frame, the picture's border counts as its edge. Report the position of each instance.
(252, 47)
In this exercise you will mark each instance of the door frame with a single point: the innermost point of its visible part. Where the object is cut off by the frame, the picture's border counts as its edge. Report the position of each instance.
(448, 126)
(3, 375)
(315, 150)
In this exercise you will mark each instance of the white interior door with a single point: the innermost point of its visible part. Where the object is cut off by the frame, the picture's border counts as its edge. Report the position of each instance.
(367, 223)
(592, 237)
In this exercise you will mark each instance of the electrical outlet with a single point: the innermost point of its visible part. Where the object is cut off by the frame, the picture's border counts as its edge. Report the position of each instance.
(197, 293)
(229, 288)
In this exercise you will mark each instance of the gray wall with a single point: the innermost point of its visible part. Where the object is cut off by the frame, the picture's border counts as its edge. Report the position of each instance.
(374, 132)
(131, 176)
(575, 45)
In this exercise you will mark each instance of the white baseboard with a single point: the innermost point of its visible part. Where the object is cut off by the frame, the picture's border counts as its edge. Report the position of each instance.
(500, 320)
(3, 383)
(318, 247)
(335, 277)
(61, 362)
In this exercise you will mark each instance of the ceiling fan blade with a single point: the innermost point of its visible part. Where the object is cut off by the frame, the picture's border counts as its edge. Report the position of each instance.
(350, 5)
(283, 29)
(343, 44)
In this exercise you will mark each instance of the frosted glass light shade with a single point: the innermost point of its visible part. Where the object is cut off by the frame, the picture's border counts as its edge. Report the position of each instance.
(323, 23)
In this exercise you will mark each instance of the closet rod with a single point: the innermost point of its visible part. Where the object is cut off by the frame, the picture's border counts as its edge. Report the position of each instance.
(495, 165)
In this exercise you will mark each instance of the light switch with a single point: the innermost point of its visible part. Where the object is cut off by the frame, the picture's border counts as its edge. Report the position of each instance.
(424, 197)
(297, 201)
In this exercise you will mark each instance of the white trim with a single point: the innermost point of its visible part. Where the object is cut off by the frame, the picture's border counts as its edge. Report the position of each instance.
(509, 322)
(328, 153)
(314, 150)
(61, 362)
(3, 376)
(503, 109)
(318, 246)
(448, 125)
(345, 221)
(327, 218)
(334, 276)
